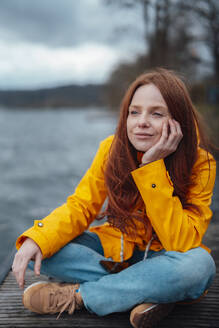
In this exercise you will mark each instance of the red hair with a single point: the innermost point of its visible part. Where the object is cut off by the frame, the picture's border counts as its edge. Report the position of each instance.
(124, 199)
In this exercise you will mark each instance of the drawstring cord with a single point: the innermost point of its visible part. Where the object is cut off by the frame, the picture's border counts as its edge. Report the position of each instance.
(147, 248)
(122, 249)
(145, 253)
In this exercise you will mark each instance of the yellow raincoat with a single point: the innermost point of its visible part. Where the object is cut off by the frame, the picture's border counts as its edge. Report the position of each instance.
(176, 228)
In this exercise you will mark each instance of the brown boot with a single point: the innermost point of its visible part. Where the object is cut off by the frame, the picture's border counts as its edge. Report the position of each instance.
(44, 298)
(147, 315)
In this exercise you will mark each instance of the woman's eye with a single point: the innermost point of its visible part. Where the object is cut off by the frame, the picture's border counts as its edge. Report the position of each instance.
(158, 114)
(133, 112)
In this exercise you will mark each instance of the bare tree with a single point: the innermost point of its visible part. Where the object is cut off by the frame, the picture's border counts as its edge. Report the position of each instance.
(166, 32)
(168, 41)
(207, 15)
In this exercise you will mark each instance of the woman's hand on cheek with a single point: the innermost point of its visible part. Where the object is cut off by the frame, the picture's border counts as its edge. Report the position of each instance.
(167, 143)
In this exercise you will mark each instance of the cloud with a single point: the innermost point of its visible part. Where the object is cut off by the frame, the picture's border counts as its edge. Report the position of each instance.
(22, 66)
(47, 21)
(60, 23)
(47, 42)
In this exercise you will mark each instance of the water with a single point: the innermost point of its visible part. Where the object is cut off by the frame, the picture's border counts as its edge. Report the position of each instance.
(43, 156)
(44, 153)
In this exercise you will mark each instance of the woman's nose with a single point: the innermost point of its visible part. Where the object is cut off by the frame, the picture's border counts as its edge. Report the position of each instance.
(143, 121)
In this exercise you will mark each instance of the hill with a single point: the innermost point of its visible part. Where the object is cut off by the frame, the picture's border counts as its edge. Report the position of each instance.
(65, 96)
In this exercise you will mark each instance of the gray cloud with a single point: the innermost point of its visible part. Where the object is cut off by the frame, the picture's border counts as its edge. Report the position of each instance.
(64, 40)
(59, 23)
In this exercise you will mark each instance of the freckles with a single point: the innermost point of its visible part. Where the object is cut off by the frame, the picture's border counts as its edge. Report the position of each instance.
(158, 126)
(158, 131)
(130, 125)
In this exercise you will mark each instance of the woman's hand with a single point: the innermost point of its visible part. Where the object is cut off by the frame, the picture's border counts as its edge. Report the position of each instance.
(167, 143)
(28, 251)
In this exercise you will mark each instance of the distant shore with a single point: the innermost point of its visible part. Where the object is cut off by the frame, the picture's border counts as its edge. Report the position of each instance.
(71, 96)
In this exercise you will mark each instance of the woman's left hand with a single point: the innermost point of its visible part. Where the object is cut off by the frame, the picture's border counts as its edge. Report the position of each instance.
(167, 143)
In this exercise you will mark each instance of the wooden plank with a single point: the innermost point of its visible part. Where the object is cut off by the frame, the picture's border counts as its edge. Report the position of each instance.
(6, 265)
(204, 314)
(13, 314)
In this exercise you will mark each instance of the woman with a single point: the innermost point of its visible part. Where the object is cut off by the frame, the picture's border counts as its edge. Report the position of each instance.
(158, 177)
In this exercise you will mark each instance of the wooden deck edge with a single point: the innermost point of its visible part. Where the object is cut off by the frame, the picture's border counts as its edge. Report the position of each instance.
(6, 265)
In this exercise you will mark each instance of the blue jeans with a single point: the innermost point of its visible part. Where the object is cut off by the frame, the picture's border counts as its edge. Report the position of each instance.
(164, 277)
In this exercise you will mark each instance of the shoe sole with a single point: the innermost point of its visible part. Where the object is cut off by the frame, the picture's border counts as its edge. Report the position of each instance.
(150, 317)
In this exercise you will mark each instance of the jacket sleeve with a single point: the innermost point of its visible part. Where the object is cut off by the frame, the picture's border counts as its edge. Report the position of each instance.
(178, 229)
(72, 218)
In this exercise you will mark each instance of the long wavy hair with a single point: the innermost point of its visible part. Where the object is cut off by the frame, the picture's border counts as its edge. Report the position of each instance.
(124, 199)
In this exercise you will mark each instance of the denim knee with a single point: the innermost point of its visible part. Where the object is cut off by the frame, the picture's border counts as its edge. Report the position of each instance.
(195, 269)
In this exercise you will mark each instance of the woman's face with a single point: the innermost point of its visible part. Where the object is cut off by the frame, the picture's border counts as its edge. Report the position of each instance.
(147, 114)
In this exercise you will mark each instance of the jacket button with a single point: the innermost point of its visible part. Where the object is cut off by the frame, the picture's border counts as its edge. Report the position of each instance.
(153, 185)
(40, 224)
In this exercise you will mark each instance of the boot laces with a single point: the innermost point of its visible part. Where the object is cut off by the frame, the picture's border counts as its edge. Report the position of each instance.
(63, 299)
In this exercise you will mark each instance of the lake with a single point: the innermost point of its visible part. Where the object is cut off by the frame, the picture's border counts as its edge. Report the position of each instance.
(44, 153)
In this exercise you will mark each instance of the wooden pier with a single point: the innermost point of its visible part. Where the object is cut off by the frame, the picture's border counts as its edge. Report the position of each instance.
(198, 315)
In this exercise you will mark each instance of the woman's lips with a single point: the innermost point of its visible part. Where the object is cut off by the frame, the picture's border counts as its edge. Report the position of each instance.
(143, 135)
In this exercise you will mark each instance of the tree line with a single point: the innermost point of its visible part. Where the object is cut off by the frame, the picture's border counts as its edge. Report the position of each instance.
(175, 32)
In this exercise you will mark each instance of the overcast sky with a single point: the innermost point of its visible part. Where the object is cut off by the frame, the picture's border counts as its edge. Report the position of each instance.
(56, 42)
